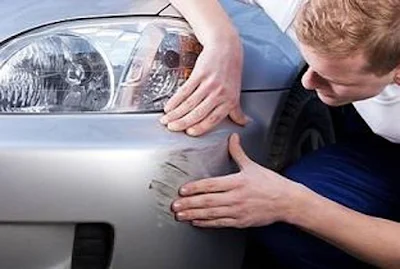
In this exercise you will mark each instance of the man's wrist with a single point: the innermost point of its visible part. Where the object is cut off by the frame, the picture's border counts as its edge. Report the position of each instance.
(301, 200)
(220, 35)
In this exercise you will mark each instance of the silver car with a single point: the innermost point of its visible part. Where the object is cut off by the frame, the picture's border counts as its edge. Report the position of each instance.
(87, 171)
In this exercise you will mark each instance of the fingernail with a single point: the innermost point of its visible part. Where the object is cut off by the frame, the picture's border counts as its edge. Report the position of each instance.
(183, 191)
(173, 126)
(176, 206)
(164, 120)
(180, 215)
(191, 131)
(167, 108)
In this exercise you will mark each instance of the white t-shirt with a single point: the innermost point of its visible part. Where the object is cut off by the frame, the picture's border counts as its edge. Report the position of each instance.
(281, 11)
(382, 113)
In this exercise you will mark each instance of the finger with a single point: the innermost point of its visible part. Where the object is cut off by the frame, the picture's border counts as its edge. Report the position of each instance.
(210, 185)
(196, 115)
(237, 152)
(185, 107)
(238, 116)
(184, 91)
(203, 201)
(212, 120)
(205, 214)
(218, 223)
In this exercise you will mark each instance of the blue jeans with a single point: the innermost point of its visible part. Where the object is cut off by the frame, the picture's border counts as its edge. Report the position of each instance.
(359, 172)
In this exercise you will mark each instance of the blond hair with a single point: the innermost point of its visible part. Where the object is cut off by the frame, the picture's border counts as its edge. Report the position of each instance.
(340, 28)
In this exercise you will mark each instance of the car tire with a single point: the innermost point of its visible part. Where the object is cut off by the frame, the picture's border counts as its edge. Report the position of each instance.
(305, 125)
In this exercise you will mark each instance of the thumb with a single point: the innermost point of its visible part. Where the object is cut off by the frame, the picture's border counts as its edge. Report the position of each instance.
(237, 152)
(238, 116)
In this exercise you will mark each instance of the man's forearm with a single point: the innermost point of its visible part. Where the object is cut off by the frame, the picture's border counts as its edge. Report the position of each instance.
(373, 240)
(207, 18)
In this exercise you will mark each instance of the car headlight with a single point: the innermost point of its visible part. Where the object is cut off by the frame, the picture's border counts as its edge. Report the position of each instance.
(122, 65)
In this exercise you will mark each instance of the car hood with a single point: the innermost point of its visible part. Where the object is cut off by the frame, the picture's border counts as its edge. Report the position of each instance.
(17, 16)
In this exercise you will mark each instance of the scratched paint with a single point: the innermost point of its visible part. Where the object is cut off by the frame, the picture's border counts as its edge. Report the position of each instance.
(182, 166)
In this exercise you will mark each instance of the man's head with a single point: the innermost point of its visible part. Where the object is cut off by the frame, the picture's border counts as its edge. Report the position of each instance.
(351, 46)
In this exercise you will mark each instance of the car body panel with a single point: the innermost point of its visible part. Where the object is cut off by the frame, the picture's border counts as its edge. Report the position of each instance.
(90, 169)
(36, 246)
(272, 59)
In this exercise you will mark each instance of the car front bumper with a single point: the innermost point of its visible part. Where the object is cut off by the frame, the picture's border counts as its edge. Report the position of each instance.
(124, 170)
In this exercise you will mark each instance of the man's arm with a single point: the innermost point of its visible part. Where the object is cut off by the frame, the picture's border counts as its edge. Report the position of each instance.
(212, 91)
(207, 18)
(257, 196)
(371, 239)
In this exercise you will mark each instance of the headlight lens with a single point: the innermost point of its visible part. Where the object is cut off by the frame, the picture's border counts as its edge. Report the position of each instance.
(121, 66)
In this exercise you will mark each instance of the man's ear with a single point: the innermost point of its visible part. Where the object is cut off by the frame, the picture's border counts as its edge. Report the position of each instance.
(397, 75)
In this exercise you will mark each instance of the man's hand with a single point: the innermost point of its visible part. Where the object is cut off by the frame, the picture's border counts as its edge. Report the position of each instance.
(255, 196)
(212, 91)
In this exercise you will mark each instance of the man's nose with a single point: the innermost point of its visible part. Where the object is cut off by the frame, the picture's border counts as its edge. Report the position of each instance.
(308, 80)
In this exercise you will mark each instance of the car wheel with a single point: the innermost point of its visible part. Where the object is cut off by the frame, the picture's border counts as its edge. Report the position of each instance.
(304, 125)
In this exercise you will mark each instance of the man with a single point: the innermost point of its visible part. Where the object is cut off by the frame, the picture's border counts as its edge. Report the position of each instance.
(338, 207)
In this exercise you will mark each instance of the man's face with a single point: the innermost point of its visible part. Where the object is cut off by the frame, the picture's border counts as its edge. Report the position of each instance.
(341, 81)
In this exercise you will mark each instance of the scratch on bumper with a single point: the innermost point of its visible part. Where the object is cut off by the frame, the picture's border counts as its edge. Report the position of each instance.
(183, 166)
